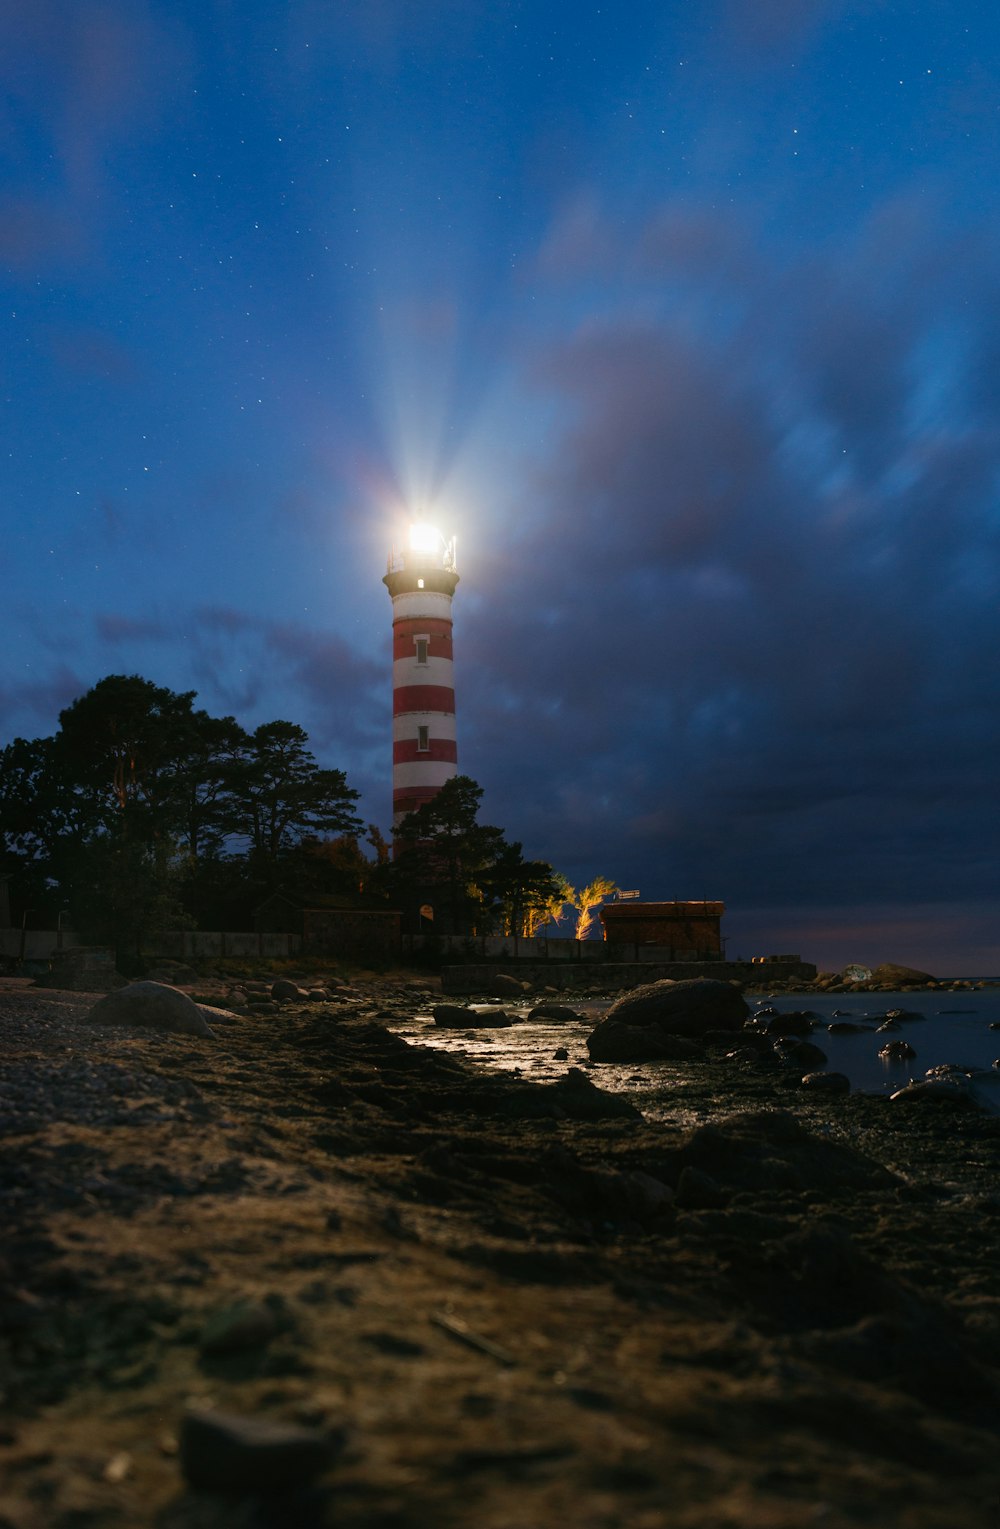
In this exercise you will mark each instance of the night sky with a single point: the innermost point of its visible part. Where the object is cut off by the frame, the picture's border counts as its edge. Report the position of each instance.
(683, 318)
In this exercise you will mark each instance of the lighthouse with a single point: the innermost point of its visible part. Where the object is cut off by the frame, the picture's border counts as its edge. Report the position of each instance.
(421, 581)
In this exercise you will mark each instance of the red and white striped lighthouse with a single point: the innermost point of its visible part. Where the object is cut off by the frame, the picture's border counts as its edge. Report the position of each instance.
(422, 581)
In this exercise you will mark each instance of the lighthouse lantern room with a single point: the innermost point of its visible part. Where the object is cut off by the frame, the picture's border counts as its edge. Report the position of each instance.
(421, 580)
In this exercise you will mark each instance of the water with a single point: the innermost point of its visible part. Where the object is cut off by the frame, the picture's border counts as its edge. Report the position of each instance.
(953, 1029)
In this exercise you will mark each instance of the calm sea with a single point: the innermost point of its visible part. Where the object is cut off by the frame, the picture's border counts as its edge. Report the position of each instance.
(951, 1028)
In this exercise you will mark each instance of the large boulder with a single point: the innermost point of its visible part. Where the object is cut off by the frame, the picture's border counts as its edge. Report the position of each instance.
(153, 1005)
(508, 986)
(892, 975)
(682, 1008)
(660, 1021)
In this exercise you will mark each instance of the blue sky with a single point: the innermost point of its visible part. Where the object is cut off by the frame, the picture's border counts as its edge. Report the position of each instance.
(685, 320)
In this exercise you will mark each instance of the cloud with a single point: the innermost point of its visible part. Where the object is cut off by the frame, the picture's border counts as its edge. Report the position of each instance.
(28, 706)
(744, 645)
(117, 630)
(776, 31)
(31, 231)
(75, 80)
(94, 353)
(240, 663)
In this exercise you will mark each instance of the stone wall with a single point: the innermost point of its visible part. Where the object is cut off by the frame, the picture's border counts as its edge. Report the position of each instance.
(613, 975)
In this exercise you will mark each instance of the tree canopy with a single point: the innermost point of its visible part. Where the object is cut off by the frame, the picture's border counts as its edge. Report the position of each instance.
(486, 884)
(143, 812)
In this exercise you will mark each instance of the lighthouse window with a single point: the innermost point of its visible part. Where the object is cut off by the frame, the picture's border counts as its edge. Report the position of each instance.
(420, 643)
(423, 743)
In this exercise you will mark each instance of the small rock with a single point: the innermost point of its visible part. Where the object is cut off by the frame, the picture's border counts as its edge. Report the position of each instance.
(934, 1091)
(897, 1051)
(648, 1197)
(245, 1324)
(172, 972)
(451, 1016)
(512, 986)
(553, 1011)
(796, 1023)
(697, 1190)
(224, 1452)
(562, 1055)
(805, 1055)
(286, 992)
(827, 1082)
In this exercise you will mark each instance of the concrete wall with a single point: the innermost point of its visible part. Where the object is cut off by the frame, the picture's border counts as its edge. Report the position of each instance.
(614, 975)
(214, 944)
(350, 934)
(175, 945)
(37, 942)
(460, 947)
(473, 947)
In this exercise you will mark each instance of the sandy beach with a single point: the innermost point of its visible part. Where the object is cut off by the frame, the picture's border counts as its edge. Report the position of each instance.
(307, 1274)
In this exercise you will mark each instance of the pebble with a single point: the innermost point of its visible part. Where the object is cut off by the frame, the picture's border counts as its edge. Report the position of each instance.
(35, 1094)
(225, 1452)
(827, 1082)
(245, 1324)
(933, 1089)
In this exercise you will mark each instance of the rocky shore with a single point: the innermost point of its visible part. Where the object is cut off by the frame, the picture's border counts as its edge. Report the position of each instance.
(302, 1273)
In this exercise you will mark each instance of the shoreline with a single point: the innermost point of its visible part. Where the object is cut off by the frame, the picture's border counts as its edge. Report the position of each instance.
(498, 1302)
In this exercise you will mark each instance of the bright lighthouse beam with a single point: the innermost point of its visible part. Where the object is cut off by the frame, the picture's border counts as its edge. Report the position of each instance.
(425, 540)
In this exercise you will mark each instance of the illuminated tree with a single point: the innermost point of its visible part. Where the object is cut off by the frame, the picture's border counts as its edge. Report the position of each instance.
(522, 890)
(551, 910)
(587, 899)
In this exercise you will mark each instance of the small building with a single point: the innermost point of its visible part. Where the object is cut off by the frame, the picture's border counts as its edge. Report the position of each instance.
(689, 931)
(370, 936)
(332, 926)
(281, 913)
